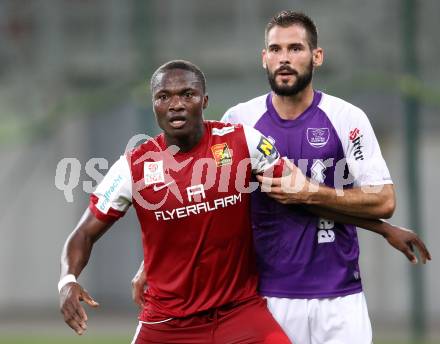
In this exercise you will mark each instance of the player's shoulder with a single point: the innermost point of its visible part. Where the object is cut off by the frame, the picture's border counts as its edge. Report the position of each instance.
(338, 109)
(247, 112)
(150, 144)
(257, 103)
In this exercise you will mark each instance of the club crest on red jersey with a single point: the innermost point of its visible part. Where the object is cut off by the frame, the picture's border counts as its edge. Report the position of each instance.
(318, 137)
(222, 154)
(153, 172)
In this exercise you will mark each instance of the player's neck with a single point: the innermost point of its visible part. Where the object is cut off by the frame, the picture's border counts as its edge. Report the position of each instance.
(188, 142)
(291, 107)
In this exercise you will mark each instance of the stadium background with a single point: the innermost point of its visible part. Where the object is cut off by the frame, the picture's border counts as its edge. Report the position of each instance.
(73, 84)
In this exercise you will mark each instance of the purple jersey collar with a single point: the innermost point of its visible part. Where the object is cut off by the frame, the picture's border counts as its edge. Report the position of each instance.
(292, 122)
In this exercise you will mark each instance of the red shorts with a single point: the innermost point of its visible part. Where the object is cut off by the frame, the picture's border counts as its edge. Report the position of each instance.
(247, 322)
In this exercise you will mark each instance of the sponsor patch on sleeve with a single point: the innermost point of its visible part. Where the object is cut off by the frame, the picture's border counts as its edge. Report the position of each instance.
(105, 199)
(268, 149)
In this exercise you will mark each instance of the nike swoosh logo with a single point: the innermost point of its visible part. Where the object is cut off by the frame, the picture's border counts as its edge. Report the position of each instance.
(158, 188)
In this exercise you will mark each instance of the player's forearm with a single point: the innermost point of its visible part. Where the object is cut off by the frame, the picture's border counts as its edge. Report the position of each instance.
(76, 254)
(375, 225)
(79, 244)
(369, 203)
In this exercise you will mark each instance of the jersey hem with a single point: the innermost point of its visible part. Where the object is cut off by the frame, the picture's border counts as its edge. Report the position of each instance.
(158, 317)
(283, 294)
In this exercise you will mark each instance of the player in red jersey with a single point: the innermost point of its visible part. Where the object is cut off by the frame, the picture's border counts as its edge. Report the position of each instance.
(193, 207)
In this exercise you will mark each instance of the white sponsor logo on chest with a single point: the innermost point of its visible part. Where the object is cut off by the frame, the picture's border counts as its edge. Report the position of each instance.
(153, 172)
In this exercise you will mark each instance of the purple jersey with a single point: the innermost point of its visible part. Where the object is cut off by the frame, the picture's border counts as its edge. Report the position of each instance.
(300, 255)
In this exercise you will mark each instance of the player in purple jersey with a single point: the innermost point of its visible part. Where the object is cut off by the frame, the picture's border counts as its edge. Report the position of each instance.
(309, 265)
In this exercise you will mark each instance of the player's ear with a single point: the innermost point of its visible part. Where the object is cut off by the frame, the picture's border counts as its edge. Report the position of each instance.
(205, 101)
(318, 57)
(263, 58)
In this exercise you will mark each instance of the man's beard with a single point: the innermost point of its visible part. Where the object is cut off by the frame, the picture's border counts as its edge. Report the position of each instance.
(302, 81)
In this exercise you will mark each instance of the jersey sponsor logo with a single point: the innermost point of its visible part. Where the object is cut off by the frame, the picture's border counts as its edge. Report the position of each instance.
(194, 191)
(267, 148)
(356, 140)
(222, 131)
(196, 194)
(318, 137)
(160, 187)
(198, 208)
(221, 154)
(104, 201)
(354, 133)
(153, 172)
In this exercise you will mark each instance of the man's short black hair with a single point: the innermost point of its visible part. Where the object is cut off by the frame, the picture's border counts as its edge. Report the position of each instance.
(183, 65)
(288, 18)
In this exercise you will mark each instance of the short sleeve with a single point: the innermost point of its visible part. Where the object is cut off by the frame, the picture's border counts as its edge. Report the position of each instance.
(113, 195)
(262, 151)
(364, 156)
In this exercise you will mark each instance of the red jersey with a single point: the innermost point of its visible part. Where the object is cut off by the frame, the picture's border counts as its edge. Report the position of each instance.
(194, 212)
